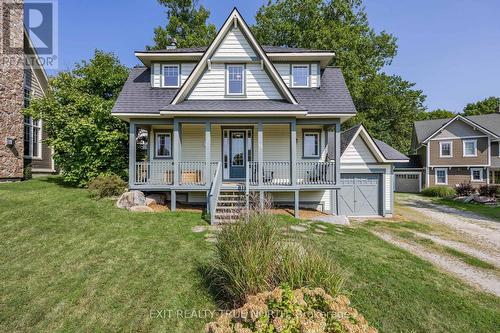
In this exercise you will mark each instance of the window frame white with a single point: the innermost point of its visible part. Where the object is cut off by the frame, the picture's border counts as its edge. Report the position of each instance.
(317, 134)
(243, 79)
(157, 143)
(464, 144)
(441, 144)
(163, 77)
(436, 178)
(31, 129)
(481, 179)
(308, 83)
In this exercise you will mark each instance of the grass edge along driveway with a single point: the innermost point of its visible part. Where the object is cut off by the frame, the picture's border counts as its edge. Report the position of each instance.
(70, 263)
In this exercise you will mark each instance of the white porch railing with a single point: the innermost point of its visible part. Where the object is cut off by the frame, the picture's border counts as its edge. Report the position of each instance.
(191, 173)
(315, 173)
(276, 173)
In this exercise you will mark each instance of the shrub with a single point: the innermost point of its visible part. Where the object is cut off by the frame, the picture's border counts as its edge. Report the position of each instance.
(284, 310)
(488, 190)
(439, 191)
(27, 173)
(107, 185)
(465, 189)
(253, 256)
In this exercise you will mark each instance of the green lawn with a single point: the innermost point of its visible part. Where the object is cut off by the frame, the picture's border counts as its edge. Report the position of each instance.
(487, 211)
(70, 263)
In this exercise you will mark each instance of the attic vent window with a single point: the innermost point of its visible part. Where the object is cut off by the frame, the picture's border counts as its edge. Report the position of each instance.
(171, 76)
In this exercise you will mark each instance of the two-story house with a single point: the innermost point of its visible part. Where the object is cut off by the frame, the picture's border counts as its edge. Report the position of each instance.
(448, 152)
(238, 117)
(22, 139)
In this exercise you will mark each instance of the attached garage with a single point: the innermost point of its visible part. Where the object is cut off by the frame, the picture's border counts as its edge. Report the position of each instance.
(360, 195)
(366, 174)
(408, 182)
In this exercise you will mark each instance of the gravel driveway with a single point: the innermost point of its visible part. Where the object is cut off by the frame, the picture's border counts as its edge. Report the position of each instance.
(475, 235)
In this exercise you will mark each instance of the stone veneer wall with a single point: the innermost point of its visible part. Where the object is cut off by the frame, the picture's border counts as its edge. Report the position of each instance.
(11, 93)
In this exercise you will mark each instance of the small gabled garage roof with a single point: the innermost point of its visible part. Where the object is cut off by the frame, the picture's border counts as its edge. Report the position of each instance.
(381, 150)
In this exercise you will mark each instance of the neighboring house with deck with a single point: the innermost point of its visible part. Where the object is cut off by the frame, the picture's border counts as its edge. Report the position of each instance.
(236, 117)
(448, 152)
(22, 141)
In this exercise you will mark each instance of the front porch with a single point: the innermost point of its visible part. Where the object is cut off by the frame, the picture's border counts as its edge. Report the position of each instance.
(245, 155)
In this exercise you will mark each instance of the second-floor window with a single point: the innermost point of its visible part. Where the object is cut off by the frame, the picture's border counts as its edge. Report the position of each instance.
(300, 76)
(235, 80)
(171, 76)
(164, 144)
(470, 148)
(445, 149)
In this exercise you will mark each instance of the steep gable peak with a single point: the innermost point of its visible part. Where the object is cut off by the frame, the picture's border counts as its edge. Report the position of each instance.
(234, 32)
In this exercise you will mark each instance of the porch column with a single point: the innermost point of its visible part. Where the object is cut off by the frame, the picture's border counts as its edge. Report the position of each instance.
(296, 204)
(131, 153)
(260, 152)
(208, 152)
(176, 154)
(293, 152)
(337, 153)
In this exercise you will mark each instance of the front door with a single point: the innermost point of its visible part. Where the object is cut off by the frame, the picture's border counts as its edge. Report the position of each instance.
(237, 140)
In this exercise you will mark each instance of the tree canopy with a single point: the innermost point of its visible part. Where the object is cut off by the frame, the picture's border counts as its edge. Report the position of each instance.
(485, 106)
(87, 140)
(387, 105)
(187, 24)
(437, 114)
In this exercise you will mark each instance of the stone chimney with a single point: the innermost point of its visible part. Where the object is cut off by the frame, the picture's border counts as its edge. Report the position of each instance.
(11, 89)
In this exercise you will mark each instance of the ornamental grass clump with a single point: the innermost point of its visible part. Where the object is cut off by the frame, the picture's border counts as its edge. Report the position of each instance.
(253, 256)
(287, 310)
(439, 191)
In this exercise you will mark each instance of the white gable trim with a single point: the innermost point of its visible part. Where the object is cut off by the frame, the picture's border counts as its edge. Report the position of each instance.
(234, 18)
(371, 145)
(465, 120)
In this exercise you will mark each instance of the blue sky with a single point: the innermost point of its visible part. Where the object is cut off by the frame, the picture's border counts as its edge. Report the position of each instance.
(449, 48)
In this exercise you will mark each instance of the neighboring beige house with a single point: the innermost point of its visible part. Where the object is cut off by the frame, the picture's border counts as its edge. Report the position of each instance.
(22, 138)
(236, 117)
(448, 152)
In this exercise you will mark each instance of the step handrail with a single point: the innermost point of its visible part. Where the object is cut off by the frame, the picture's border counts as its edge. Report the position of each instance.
(213, 195)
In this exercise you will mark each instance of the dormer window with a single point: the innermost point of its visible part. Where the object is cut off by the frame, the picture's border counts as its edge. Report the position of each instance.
(300, 76)
(171, 77)
(235, 78)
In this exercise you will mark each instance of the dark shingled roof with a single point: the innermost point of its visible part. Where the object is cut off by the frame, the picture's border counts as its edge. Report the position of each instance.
(332, 97)
(233, 106)
(267, 49)
(425, 128)
(137, 96)
(389, 152)
(415, 162)
(386, 150)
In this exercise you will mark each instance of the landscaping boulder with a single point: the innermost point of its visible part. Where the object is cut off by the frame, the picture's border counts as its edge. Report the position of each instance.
(483, 199)
(155, 198)
(131, 199)
(141, 209)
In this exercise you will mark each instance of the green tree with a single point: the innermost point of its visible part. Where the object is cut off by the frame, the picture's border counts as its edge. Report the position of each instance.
(437, 114)
(361, 53)
(76, 114)
(187, 24)
(487, 105)
(389, 108)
